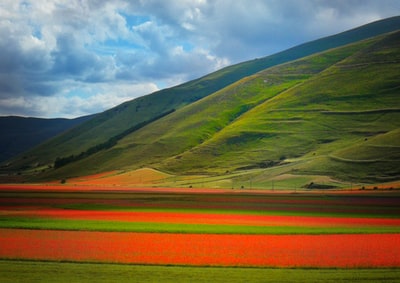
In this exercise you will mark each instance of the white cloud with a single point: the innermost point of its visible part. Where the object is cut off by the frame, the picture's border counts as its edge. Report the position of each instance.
(75, 100)
(52, 50)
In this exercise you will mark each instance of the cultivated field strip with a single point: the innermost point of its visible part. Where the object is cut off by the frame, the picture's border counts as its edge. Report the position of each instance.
(340, 229)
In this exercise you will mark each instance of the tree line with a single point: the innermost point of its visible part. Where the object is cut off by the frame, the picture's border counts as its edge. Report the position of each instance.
(62, 161)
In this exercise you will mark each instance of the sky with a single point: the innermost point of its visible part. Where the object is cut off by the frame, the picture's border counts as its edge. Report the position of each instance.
(69, 58)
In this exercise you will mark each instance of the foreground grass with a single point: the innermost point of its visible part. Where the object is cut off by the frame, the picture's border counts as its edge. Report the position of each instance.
(147, 227)
(42, 271)
(353, 211)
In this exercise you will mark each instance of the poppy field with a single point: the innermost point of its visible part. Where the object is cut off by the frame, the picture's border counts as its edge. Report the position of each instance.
(188, 228)
(361, 250)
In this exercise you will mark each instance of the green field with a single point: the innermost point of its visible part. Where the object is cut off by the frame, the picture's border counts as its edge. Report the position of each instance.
(41, 271)
(144, 227)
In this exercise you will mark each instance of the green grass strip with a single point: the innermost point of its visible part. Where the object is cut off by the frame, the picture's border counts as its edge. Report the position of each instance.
(147, 227)
(43, 271)
(276, 211)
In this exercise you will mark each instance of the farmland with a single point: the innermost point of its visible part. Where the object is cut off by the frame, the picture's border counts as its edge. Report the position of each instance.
(199, 234)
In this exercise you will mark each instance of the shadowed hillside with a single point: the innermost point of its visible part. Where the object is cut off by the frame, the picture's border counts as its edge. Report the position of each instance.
(19, 134)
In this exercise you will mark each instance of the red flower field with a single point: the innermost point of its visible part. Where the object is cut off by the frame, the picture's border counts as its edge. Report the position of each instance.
(370, 250)
(55, 204)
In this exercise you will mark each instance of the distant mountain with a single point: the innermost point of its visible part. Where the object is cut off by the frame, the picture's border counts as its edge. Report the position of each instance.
(322, 108)
(19, 134)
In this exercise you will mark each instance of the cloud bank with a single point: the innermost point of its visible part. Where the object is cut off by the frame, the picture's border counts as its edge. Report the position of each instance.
(67, 58)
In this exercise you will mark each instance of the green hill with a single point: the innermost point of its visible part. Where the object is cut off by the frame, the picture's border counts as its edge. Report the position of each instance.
(19, 134)
(333, 113)
(118, 119)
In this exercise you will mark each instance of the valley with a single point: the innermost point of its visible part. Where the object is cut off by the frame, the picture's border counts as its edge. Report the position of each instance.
(278, 169)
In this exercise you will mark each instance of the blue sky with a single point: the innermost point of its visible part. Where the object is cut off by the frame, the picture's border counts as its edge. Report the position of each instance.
(68, 58)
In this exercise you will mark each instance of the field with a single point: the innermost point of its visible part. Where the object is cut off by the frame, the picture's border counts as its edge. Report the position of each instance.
(109, 233)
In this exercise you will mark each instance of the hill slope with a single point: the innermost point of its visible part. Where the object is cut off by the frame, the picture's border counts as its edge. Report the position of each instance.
(19, 134)
(335, 114)
(342, 122)
(142, 110)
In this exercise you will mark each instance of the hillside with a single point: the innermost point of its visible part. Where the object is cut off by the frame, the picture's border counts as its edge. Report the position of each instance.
(140, 111)
(19, 134)
(333, 114)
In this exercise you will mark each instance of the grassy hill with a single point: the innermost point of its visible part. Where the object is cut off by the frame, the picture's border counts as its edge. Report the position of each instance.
(19, 134)
(126, 116)
(329, 115)
(333, 114)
